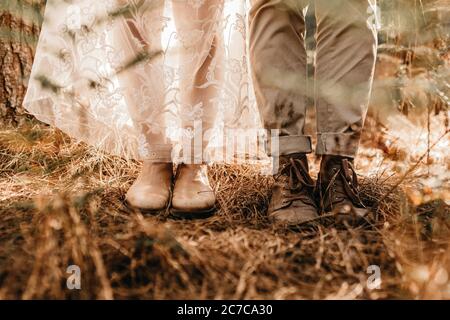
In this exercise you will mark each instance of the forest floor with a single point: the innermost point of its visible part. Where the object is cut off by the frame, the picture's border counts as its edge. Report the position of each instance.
(61, 204)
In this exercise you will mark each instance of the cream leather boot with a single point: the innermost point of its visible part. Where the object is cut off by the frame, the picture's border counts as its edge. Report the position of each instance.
(192, 194)
(152, 189)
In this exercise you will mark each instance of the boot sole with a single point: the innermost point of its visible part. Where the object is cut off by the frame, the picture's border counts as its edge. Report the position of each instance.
(145, 211)
(191, 215)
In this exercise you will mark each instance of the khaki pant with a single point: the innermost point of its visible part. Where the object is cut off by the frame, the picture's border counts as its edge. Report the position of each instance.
(345, 59)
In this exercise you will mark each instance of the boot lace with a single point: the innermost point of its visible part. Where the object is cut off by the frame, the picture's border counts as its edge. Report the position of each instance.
(344, 184)
(299, 183)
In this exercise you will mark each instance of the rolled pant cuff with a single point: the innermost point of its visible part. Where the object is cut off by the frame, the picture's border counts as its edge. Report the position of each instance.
(293, 144)
(338, 144)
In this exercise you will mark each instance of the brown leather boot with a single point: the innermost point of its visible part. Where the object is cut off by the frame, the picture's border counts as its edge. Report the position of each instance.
(337, 189)
(152, 189)
(192, 194)
(292, 201)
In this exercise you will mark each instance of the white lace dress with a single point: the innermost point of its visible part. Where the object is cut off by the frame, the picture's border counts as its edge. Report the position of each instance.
(142, 78)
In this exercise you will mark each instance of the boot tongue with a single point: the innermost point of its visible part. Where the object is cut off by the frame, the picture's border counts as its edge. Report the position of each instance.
(294, 182)
(331, 165)
(295, 168)
(345, 169)
(330, 176)
(338, 175)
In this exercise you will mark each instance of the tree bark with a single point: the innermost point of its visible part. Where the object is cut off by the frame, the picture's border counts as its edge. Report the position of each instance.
(19, 30)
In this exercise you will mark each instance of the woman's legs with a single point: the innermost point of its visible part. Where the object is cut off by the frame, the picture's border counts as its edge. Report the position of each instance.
(143, 83)
(201, 51)
(201, 71)
(152, 188)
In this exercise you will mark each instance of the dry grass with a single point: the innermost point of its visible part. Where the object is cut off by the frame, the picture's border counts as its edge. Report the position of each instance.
(61, 204)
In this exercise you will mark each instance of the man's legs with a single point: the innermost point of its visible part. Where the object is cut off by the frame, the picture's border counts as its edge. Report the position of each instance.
(346, 49)
(345, 58)
(345, 62)
(279, 62)
(278, 58)
(346, 53)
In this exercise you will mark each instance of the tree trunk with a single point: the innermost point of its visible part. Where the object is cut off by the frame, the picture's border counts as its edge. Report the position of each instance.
(20, 22)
